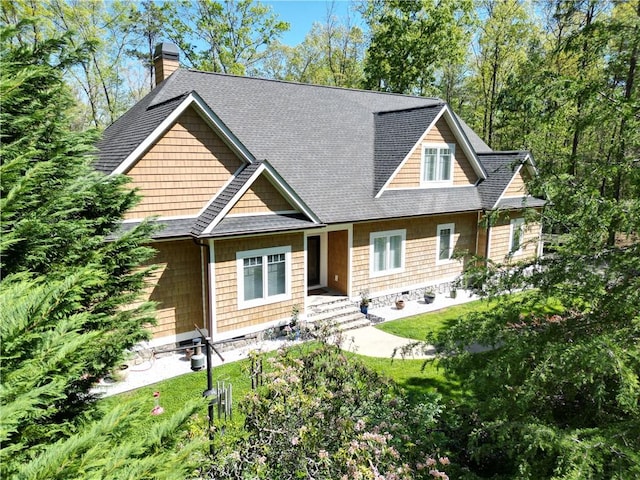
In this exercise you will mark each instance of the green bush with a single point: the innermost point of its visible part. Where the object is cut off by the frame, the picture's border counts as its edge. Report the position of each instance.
(324, 415)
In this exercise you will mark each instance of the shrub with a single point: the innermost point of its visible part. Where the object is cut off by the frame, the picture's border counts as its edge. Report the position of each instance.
(323, 415)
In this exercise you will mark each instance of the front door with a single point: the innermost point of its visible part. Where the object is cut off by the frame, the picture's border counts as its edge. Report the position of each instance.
(313, 261)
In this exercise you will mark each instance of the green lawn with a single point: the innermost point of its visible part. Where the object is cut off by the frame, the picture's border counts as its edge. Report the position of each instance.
(415, 376)
(174, 392)
(418, 326)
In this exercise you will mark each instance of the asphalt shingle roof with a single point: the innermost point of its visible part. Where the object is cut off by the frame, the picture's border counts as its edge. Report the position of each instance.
(123, 136)
(172, 228)
(396, 133)
(261, 224)
(334, 147)
(522, 202)
(500, 167)
(223, 198)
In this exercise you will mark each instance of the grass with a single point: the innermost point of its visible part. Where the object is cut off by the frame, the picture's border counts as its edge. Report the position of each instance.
(414, 376)
(175, 392)
(419, 326)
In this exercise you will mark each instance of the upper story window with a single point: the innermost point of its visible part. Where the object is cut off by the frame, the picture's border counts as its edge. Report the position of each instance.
(387, 252)
(437, 164)
(517, 235)
(264, 276)
(444, 242)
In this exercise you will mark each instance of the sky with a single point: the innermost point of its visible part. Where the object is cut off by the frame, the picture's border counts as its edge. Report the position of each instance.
(302, 13)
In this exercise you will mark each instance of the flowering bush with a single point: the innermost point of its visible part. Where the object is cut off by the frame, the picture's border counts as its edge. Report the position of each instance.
(323, 415)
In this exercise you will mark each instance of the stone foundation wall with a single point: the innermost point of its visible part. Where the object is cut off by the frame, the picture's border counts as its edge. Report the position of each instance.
(416, 294)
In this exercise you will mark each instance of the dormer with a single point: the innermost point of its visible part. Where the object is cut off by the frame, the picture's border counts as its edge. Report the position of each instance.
(423, 148)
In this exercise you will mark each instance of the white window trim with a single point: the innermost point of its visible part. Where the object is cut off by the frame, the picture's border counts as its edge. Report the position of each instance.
(437, 183)
(264, 252)
(519, 224)
(386, 234)
(439, 228)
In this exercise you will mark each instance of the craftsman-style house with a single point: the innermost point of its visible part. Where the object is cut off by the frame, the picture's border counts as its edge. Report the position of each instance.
(270, 191)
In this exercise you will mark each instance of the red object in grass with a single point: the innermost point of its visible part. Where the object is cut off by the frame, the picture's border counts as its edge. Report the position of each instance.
(157, 410)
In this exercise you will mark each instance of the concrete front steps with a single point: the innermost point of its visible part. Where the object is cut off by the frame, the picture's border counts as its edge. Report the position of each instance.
(336, 312)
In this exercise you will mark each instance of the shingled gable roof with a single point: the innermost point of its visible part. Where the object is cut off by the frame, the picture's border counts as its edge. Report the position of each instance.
(320, 140)
(501, 169)
(122, 137)
(398, 134)
(214, 214)
(131, 135)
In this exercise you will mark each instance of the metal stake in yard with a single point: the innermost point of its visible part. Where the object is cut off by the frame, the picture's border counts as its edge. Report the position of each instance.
(209, 393)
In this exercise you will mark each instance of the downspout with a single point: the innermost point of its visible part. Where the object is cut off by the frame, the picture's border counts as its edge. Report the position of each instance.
(487, 237)
(206, 281)
(478, 227)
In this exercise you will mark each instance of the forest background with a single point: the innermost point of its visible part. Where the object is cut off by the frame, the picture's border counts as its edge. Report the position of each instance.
(556, 77)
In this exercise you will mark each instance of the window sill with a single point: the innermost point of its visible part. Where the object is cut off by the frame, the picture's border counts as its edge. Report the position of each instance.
(259, 302)
(385, 273)
(436, 184)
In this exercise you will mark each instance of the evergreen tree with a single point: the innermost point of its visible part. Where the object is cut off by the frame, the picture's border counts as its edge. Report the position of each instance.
(57, 212)
(68, 278)
(557, 394)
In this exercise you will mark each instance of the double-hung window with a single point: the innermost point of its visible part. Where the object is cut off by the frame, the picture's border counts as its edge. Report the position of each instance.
(516, 236)
(437, 164)
(444, 242)
(387, 252)
(264, 276)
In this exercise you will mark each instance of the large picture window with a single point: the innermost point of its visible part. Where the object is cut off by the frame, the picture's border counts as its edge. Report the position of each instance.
(444, 242)
(437, 163)
(263, 276)
(387, 252)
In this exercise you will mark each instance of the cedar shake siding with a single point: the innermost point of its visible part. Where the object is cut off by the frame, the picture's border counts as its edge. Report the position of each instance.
(420, 266)
(500, 239)
(440, 133)
(228, 316)
(262, 197)
(517, 187)
(182, 171)
(250, 167)
(177, 287)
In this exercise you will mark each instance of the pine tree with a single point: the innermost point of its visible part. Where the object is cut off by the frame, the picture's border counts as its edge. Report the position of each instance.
(68, 278)
(58, 213)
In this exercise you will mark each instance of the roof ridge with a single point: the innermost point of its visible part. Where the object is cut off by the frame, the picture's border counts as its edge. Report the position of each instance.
(503, 152)
(302, 84)
(441, 103)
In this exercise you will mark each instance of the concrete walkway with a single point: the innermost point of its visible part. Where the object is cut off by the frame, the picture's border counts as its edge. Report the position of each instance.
(373, 342)
(367, 341)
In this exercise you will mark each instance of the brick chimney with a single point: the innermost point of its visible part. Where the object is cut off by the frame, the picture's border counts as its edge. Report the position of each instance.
(165, 61)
